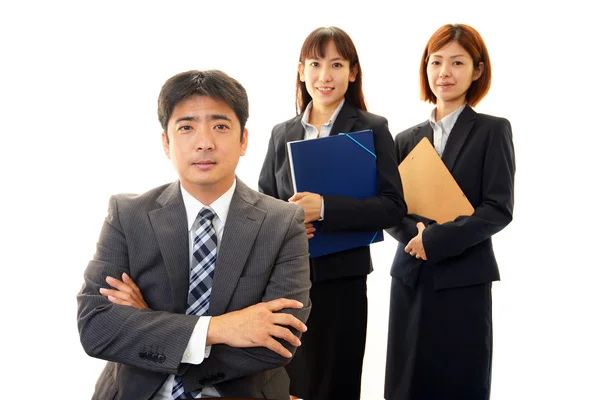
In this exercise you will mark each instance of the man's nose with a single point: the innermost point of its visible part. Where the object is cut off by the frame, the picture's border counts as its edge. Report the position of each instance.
(204, 140)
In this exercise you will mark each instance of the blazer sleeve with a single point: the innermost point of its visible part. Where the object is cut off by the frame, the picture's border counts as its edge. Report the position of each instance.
(495, 210)
(406, 228)
(376, 212)
(290, 278)
(267, 181)
(119, 333)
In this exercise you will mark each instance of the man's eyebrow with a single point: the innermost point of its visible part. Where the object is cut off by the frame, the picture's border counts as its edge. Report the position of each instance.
(220, 116)
(211, 117)
(186, 118)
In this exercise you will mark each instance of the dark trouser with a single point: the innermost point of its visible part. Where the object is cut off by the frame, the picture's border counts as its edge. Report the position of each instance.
(328, 365)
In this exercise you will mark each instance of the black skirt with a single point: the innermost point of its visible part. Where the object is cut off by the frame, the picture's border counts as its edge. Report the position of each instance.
(328, 364)
(439, 341)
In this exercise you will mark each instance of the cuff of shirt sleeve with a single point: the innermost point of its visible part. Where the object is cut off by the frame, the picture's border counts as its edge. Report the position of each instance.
(322, 208)
(197, 350)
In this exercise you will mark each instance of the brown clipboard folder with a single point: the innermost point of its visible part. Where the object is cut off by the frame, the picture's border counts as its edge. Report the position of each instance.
(429, 188)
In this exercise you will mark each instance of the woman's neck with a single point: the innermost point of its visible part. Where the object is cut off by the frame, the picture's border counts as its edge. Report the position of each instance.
(320, 114)
(443, 109)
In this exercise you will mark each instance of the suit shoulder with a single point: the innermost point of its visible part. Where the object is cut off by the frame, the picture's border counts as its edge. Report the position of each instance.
(497, 128)
(492, 120)
(282, 127)
(271, 204)
(407, 133)
(372, 119)
(136, 200)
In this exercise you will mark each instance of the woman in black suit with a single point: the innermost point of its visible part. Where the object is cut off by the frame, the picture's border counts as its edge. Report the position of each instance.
(329, 100)
(440, 327)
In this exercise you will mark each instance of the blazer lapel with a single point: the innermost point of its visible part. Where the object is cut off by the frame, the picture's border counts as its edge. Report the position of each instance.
(461, 130)
(423, 130)
(295, 131)
(345, 120)
(241, 228)
(170, 228)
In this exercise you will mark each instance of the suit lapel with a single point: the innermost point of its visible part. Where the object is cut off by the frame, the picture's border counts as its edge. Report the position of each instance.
(241, 228)
(345, 120)
(170, 228)
(424, 130)
(295, 131)
(461, 130)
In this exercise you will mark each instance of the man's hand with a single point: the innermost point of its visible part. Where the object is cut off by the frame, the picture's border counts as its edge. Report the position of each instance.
(415, 246)
(126, 292)
(310, 202)
(257, 326)
(310, 230)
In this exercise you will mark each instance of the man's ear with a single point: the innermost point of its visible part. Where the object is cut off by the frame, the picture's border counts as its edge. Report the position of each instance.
(244, 142)
(166, 146)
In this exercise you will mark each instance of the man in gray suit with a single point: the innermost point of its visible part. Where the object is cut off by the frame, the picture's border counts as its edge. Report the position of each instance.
(253, 300)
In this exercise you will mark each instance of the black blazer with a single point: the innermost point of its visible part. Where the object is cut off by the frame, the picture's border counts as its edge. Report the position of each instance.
(341, 213)
(480, 156)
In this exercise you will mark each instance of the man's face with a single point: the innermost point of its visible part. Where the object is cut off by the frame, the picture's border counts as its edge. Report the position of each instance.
(204, 145)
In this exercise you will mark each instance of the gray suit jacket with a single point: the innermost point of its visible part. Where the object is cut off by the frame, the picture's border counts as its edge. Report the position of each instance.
(263, 256)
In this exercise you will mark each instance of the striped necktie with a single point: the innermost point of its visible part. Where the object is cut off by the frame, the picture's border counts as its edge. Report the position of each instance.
(202, 270)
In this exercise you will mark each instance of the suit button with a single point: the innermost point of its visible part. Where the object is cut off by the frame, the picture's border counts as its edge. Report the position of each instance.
(162, 358)
(155, 357)
(143, 354)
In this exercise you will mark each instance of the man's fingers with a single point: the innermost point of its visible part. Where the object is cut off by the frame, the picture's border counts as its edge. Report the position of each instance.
(285, 334)
(116, 294)
(420, 227)
(117, 284)
(116, 300)
(288, 320)
(281, 303)
(277, 347)
(131, 283)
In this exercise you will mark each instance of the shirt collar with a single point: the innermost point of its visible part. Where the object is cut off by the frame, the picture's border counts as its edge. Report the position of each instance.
(446, 123)
(220, 206)
(331, 120)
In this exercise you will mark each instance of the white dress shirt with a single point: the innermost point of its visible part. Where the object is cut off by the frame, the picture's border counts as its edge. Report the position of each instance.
(312, 132)
(442, 128)
(196, 350)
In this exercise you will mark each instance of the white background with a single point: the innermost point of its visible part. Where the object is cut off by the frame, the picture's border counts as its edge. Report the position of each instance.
(78, 90)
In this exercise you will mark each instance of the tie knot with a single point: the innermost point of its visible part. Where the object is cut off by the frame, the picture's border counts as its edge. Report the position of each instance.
(206, 213)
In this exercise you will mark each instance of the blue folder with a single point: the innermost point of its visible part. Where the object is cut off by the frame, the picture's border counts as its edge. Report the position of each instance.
(340, 165)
